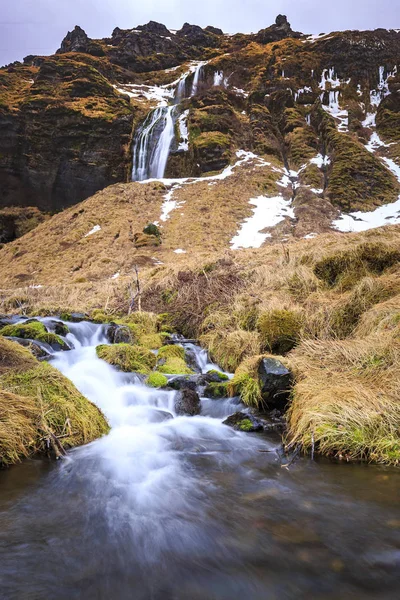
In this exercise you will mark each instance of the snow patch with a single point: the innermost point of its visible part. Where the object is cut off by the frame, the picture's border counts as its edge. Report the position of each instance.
(183, 131)
(267, 213)
(95, 229)
(180, 251)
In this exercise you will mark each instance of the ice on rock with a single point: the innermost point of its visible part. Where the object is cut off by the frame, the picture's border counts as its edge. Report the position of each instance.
(183, 132)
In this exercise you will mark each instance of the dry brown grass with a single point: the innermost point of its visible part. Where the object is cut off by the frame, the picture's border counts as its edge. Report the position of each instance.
(347, 401)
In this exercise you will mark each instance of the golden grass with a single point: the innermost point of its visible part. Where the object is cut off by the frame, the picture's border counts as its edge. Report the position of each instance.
(38, 403)
(347, 398)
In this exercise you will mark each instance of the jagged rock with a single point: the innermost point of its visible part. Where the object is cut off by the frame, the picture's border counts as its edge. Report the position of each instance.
(75, 41)
(276, 382)
(279, 31)
(119, 334)
(154, 27)
(188, 403)
(244, 422)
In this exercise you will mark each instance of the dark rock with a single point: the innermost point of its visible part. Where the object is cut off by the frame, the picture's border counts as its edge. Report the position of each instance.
(244, 422)
(74, 317)
(154, 27)
(181, 382)
(190, 357)
(119, 334)
(214, 30)
(188, 403)
(58, 327)
(37, 349)
(281, 20)
(279, 31)
(213, 377)
(75, 41)
(276, 382)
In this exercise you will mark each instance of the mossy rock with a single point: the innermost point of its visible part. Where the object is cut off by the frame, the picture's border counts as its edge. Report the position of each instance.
(34, 330)
(157, 380)
(151, 341)
(152, 229)
(128, 358)
(280, 330)
(171, 351)
(216, 390)
(175, 366)
(221, 376)
(36, 402)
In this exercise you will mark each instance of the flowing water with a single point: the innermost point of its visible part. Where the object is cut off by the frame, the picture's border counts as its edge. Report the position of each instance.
(169, 507)
(152, 144)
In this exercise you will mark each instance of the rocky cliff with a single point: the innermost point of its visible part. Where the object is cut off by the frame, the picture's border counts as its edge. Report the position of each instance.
(324, 109)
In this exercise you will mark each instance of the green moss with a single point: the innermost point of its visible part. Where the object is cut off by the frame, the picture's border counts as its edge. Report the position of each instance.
(348, 267)
(175, 366)
(280, 330)
(245, 425)
(152, 229)
(157, 380)
(246, 385)
(216, 390)
(127, 358)
(100, 317)
(152, 341)
(171, 351)
(222, 376)
(43, 402)
(33, 331)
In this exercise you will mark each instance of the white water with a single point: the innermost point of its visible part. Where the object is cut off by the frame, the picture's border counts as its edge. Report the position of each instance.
(141, 455)
(152, 144)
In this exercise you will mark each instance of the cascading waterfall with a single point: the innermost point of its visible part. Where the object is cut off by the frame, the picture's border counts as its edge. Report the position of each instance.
(196, 79)
(152, 144)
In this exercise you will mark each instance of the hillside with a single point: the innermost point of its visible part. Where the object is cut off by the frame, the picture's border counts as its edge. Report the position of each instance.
(253, 183)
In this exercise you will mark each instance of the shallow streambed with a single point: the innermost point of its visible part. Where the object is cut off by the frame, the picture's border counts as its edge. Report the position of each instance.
(170, 507)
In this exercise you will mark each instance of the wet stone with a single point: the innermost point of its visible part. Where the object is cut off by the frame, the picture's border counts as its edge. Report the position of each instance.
(188, 403)
(276, 382)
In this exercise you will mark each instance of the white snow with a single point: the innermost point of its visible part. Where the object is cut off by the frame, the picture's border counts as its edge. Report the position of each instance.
(169, 204)
(160, 94)
(320, 160)
(240, 92)
(267, 213)
(389, 214)
(95, 229)
(310, 236)
(180, 251)
(116, 275)
(35, 287)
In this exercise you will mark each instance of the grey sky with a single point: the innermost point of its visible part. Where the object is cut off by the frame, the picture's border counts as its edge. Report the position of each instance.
(38, 26)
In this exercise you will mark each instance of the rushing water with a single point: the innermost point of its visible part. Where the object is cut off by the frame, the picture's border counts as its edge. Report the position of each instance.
(152, 144)
(169, 507)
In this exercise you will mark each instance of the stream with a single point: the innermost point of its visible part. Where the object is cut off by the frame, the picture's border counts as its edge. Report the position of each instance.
(186, 508)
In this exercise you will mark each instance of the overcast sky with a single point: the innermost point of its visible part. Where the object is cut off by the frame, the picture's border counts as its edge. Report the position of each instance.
(38, 26)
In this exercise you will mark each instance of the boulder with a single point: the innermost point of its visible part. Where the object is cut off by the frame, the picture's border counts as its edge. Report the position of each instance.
(187, 403)
(119, 334)
(184, 382)
(276, 382)
(244, 422)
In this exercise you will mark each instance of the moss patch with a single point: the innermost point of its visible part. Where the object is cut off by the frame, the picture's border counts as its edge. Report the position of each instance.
(127, 358)
(157, 380)
(37, 401)
(279, 330)
(175, 366)
(33, 331)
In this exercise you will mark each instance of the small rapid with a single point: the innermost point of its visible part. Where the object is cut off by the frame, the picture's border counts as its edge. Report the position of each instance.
(169, 506)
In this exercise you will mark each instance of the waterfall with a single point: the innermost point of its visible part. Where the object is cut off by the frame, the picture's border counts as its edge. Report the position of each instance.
(196, 78)
(152, 144)
(180, 90)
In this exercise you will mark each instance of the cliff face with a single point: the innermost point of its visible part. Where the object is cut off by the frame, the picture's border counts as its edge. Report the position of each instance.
(68, 121)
